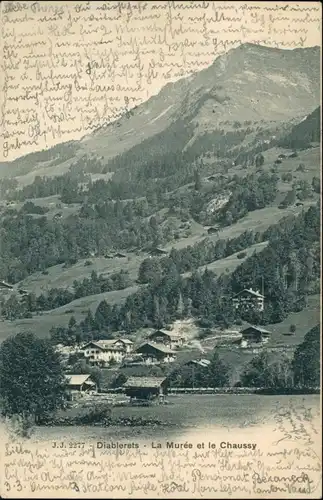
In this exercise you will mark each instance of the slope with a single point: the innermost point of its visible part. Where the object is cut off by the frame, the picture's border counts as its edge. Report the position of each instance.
(250, 83)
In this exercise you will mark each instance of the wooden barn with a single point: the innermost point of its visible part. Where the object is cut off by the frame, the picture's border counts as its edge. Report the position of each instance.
(77, 384)
(255, 334)
(145, 387)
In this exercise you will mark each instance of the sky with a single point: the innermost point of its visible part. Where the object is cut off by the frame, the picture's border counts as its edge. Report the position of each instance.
(66, 68)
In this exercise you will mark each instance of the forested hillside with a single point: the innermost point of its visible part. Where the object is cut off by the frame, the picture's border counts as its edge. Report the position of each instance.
(214, 173)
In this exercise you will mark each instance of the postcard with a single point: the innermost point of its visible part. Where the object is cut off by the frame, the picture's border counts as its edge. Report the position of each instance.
(160, 258)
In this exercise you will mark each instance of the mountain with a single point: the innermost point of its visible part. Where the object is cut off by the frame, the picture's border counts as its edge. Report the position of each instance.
(249, 85)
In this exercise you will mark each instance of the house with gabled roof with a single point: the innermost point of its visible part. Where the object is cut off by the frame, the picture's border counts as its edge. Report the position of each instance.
(153, 353)
(171, 339)
(249, 299)
(254, 335)
(104, 351)
(80, 383)
(145, 387)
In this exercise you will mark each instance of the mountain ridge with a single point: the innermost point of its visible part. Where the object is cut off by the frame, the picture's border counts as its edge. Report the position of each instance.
(279, 88)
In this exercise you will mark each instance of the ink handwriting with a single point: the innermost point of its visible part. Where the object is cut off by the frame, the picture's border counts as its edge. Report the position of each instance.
(142, 468)
(69, 68)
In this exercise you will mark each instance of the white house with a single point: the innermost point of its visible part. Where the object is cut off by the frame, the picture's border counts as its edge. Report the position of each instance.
(126, 344)
(249, 299)
(105, 351)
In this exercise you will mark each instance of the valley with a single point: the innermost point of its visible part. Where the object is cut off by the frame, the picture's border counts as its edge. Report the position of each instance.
(209, 188)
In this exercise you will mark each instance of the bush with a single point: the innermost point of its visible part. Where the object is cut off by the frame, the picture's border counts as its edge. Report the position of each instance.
(292, 328)
(96, 414)
(300, 168)
(287, 177)
(242, 255)
(70, 262)
(88, 263)
(19, 426)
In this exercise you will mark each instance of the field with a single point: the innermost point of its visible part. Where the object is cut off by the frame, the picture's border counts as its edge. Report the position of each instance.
(60, 277)
(229, 264)
(258, 221)
(42, 324)
(187, 412)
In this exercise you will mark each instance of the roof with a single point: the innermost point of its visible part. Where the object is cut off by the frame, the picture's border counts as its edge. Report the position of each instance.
(171, 335)
(125, 341)
(258, 328)
(79, 379)
(158, 347)
(149, 382)
(200, 362)
(6, 285)
(251, 292)
(104, 344)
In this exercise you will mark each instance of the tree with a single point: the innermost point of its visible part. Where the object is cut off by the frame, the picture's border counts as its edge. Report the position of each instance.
(149, 271)
(256, 373)
(316, 184)
(217, 372)
(32, 381)
(259, 160)
(306, 360)
(197, 180)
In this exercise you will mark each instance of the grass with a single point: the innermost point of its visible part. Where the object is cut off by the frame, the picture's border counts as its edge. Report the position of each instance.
(229, 264)
(42, 324)
(303, 320)
(51, 203)
(60, 277)
(258, 221)
(45, 169)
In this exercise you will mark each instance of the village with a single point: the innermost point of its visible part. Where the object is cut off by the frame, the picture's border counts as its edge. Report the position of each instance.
(159, 348)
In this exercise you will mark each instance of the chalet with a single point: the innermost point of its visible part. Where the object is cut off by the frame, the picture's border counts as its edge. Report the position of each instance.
(254, 335)
(80, 384)
(145, 387)
(249, 299)
(126, 344)
(170, 339)
(101, 352)
(155, 353)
